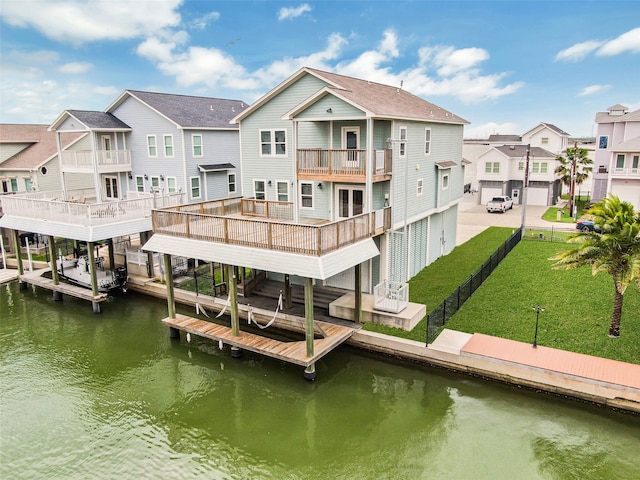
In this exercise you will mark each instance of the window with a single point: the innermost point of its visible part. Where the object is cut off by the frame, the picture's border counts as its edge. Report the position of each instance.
(258, 190)
(27, 184)
(427, 141)
(139, 183)
(168, 145)
(152, 148)
(197, 145)
(231, 180)
(14, 184)
(195, 187)
(620, 161)
(306, 195)
(636, 160)
(445, 182)
(545, 140)
(273, 142)
(111, 187)
(520, 166)
(171, 185)
(492, 167)
(603, 141)
(155, 183)
(283, 191)
(536, 167)
(403, 142)
(543, 167)
(420, 187)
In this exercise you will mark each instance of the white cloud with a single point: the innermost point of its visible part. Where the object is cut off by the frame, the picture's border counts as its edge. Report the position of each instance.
(201, 22)
(591, 89)
(627, 42)
(75, 68)
(449, 61)
(491, 128)
(77, 21)
(293, 12)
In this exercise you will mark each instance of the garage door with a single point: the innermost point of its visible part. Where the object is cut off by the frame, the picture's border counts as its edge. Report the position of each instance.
(537, 196)
(488, 193)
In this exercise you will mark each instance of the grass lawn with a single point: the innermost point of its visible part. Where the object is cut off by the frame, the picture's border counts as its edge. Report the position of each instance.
(551, 215)
(437, 281)
(578, 306)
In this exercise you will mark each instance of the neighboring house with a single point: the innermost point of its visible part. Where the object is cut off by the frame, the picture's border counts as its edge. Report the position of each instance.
(551, 141)
(617, 158)
(547, 136)
(29, 157)
(501, 171)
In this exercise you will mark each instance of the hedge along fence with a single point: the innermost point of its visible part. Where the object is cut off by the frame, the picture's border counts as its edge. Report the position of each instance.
(443, 312)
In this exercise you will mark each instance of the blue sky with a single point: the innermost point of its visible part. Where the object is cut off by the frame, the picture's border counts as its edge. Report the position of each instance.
(505, 66)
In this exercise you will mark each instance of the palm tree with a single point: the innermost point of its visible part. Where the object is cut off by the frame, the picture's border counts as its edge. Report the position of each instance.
(574, 169)
(613, 247)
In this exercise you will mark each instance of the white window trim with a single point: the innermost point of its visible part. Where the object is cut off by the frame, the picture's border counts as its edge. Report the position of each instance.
(111, 178)
(229, 182)
(142, 183)
(606, 137)
(419, 187)
(264, 182)
(313, 200)
(426, 154)
(164, 146)
(155, 141)
(445, 181)
(286, 182)
(175, 180)
(273, 143)
(402, 142)
(193, 145)
(191, 187)
(154, 179)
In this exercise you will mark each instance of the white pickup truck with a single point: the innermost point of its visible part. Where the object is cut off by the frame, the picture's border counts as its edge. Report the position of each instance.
(500, 204)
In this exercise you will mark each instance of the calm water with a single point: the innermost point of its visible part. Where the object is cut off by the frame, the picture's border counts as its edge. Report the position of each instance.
(110, 396)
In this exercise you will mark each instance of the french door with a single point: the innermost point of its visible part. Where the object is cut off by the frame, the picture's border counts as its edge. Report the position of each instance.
(350, 201)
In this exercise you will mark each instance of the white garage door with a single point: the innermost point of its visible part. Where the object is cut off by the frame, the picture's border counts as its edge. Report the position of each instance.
(627, 193)
(537, 196)
(488, 193)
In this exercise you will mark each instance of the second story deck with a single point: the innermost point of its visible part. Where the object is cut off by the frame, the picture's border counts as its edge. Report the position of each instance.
(106, 161)
(266, 225)
(342, 165)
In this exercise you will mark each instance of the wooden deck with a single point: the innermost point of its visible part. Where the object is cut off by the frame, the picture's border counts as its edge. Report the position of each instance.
(292, 352)
(36, 278)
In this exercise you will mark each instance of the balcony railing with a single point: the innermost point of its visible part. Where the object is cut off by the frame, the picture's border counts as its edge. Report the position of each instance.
(187, 222)
(108, 160)
(626, 172)
(340, 164)
(73, 208)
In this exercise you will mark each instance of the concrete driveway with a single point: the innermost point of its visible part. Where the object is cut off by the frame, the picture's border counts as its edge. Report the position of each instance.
(474, 218)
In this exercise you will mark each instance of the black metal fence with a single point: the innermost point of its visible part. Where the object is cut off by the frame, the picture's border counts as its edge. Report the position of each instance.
(443, 312)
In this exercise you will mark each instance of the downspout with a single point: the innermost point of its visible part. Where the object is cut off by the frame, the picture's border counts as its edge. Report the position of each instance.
(296, 206)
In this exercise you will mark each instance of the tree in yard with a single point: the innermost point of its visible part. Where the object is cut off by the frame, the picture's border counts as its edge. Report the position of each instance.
(574, 169)
(613, 247)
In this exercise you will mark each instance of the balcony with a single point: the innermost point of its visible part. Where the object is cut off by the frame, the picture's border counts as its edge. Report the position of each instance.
(625, 173)
(342, 165)
(233, 222)
(109, 161)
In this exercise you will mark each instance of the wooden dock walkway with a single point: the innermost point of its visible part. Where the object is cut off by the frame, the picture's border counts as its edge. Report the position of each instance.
(36, 278)
(7, 275)
(293, 352)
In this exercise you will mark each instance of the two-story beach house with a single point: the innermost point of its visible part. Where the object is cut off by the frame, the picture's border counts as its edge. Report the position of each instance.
(147, 150)
(617, 158)
(501, 171)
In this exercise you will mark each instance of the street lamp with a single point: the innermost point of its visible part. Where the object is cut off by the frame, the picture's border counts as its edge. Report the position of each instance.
(538, 309)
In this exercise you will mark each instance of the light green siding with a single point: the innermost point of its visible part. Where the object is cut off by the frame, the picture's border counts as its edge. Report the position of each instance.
(8, 150)
(338, 109)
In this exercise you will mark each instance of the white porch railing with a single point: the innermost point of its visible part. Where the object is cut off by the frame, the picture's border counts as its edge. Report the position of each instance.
(107, 159)
(391, 296)
(56, 209)
(626, 172)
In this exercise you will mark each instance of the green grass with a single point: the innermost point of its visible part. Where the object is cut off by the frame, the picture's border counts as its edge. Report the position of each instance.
(551, 215)
(578, 306)
(436, 282)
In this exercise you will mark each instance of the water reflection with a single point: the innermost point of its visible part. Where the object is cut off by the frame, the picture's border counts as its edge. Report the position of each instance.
(110, 396)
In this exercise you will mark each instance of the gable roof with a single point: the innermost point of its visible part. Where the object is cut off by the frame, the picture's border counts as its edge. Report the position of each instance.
(188, 111)
(630, 146)
(378, 100)
(512, 151)
(550, 126)
(606, 117)
(505, 138)
(43, 145)
(91, 120)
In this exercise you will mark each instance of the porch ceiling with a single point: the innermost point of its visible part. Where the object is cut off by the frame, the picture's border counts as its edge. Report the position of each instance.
(318, 267)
